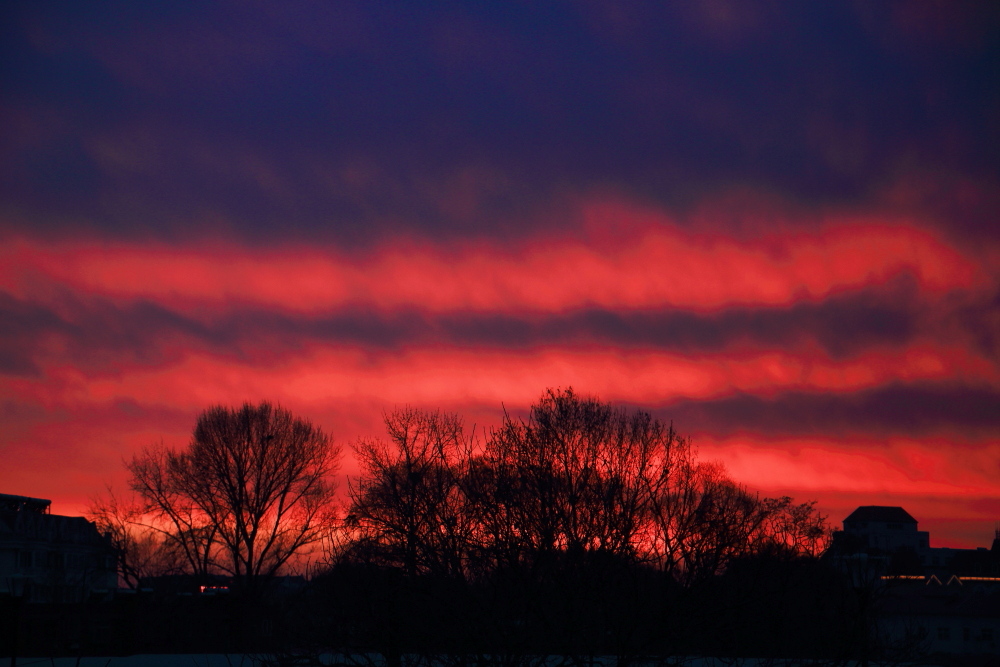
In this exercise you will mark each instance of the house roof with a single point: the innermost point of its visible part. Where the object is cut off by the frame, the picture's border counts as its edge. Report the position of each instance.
(12, 503)
(881, 514)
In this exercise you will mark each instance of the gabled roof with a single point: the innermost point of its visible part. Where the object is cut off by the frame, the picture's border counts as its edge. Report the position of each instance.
(881, 514)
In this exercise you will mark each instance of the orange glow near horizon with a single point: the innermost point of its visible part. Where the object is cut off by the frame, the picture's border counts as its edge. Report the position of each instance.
(946, 483)
(892, 466)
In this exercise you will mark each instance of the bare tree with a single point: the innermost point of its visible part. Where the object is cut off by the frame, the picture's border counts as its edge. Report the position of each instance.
(141, 551)
(184, 529)
(565, 503)
(584, 529)
(799, 529)
(707, 520)
(409, 505)
(578, 476)
(250, 491)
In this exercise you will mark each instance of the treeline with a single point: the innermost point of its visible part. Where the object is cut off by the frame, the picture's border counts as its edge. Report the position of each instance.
(578, 477)
(585, 529)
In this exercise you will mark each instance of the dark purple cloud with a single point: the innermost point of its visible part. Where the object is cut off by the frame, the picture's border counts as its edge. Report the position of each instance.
(95, 329)
(352, 120)
(920, 411)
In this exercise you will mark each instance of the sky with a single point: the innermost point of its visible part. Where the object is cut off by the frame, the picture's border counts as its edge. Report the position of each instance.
(771, 223)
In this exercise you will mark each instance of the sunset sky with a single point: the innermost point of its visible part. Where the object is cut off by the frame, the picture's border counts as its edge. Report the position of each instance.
(773, 223)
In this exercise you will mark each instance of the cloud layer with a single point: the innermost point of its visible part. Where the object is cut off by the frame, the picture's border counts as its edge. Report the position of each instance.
(771, 223)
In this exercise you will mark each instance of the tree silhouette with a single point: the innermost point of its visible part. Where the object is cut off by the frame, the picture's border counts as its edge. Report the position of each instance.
(141, 550)
(577, 492)
(250, 491)
(408, 508)
(578, 475)
(580, 530)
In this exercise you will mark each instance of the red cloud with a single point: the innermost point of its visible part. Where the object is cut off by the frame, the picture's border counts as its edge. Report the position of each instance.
(651, 264)
(657, 266)
(443, 376)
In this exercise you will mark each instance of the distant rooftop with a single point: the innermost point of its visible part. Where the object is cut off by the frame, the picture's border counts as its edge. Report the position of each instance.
(10, 503)
(881, 514)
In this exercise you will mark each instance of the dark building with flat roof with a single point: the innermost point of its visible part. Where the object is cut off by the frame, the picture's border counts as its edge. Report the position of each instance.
(47, 557)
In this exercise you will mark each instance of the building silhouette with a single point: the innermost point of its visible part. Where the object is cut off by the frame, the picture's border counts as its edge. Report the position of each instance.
(886, 540)
(886, 528)
(933, 601)
(46, 557)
